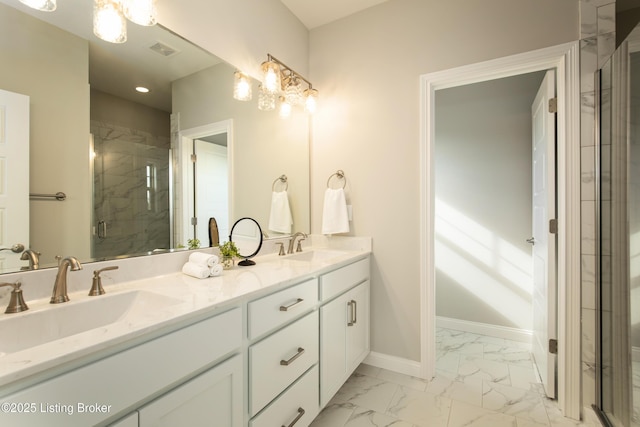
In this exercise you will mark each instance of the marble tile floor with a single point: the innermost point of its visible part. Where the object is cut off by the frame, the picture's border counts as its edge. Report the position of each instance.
(480, 381)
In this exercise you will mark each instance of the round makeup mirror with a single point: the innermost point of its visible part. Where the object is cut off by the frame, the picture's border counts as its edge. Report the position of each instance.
(247, 235)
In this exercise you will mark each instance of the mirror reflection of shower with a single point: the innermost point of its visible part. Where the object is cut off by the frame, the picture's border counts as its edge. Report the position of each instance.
(131, 175)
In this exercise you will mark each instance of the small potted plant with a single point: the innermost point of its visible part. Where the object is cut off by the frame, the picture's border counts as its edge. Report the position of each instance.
(193, 243)
(229, 252)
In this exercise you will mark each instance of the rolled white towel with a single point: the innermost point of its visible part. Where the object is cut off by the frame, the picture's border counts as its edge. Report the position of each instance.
(216, 270)
(196, 270)
(201, 258)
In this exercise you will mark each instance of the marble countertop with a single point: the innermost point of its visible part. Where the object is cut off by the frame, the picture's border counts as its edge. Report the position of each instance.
(189, 300)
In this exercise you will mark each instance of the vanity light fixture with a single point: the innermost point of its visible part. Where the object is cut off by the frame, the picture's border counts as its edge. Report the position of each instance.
(110, 16)
(285, 108)
(43, 5)
(284, 82)
(109, 22)
(141, 12)
(241, 86)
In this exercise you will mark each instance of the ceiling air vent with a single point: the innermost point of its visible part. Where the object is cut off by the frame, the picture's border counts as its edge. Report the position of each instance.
(163, 49)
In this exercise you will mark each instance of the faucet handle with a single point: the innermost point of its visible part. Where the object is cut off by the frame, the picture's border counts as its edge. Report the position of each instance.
(96, 284)
(281, 251)
(299, 248)
(16, 303)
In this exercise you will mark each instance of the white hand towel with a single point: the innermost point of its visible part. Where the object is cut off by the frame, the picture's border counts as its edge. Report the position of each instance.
(216, 270)
(196, 270)
(335, 218)
(280, 219)
(200, 258)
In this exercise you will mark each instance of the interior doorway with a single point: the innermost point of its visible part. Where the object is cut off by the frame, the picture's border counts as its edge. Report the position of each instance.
(493, 192)
(563, 60)
(200, 192)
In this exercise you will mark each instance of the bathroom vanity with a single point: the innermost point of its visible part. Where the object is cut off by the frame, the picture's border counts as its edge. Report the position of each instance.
(259, 346)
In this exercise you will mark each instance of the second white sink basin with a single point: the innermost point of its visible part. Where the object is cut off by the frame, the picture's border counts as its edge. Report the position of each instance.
(31, 329)
(317, 255)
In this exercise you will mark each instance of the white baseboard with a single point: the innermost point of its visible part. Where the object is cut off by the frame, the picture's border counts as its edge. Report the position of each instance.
(504, 332)
(393, 363)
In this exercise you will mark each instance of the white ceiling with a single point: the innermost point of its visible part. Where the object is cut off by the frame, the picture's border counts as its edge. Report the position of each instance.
(314, 13)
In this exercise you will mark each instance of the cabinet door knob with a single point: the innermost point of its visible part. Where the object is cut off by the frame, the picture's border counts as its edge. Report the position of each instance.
(295, 420)
(294, 357)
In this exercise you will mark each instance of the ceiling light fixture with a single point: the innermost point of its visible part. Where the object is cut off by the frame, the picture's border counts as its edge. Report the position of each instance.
(282, 82)
(142, 89)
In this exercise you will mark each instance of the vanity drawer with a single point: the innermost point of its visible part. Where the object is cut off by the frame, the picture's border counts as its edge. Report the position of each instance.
(299, 402)
(277, 309)
(278, 360)
(342, 279)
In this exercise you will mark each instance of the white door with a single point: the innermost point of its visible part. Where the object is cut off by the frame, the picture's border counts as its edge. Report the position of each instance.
(14, 176)
(544, 240)
(212, 189)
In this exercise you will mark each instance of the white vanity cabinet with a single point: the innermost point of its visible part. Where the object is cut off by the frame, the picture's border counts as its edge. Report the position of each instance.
(344, 325)
(212, 397)
(283, 356)
(95, 392)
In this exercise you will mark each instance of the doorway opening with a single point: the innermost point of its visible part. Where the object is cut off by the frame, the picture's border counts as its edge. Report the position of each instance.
(205, 187)
(563, 61)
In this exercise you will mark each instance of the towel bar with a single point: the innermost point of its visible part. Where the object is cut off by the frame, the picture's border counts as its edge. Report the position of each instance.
(60, 196)
(340, 175)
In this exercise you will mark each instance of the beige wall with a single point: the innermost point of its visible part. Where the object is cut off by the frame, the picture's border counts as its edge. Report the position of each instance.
(367, 67)
(51, 66)
(240, 32)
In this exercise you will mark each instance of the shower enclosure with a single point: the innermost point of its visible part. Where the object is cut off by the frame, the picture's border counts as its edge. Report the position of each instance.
(618, 291)
(131, 197)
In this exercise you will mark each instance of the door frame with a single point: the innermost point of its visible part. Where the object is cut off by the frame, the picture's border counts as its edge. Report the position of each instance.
(184, 189)
(564, 59)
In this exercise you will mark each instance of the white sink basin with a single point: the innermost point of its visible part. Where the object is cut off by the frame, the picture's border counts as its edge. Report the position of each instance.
(31, 329)
(316, 255)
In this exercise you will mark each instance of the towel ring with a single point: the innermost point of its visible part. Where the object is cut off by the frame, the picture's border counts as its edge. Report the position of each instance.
(339, 175)
(283, 179)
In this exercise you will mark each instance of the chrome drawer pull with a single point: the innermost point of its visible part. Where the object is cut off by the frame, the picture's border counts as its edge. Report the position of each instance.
(295, 356)
(353, 313)
(300, 414)
(293, 304)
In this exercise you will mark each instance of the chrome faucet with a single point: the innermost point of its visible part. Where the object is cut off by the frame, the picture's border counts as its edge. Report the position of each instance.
(293, 240)
(60, 285)
(33, 257)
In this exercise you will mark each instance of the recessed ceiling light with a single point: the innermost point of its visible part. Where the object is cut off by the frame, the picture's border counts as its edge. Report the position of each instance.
(142, 89)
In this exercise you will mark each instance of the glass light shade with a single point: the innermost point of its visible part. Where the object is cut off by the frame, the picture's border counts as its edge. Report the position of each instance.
(271, 77)
(109, 23)
(285, 109)
(311, 100)
(241, 86)
(43, 5)
(141, 12)
(293, 91)
(266, 100)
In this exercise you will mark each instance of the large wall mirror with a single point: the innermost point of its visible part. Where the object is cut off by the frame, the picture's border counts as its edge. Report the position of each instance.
(125, 160)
